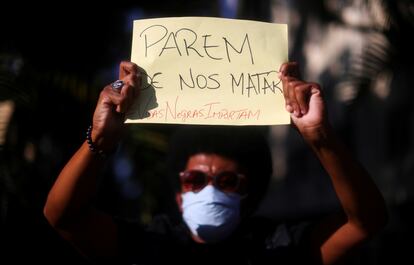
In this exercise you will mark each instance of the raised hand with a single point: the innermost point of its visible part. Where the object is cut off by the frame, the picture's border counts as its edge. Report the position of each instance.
(109, 116)
(304, 101)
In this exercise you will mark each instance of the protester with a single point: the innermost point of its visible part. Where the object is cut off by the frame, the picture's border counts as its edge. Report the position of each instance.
(219, 189)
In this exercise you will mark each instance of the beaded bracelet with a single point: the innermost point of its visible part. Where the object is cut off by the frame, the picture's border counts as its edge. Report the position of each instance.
(92, 146)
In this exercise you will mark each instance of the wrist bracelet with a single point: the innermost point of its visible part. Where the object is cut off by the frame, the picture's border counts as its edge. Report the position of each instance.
(92, 146)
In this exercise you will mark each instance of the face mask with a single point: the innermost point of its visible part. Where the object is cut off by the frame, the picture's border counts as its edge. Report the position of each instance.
(210, 213)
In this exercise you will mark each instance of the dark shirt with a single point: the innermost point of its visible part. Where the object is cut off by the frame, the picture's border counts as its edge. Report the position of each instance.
(258, 241)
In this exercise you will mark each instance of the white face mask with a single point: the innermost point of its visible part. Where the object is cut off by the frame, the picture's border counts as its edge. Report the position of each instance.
(210, 213)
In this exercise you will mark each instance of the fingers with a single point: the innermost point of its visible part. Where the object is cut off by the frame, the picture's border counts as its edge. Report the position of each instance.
(133, 85)
(111, 98)
(130, 74)
(297, 94)
(302, 93)
(121, 100)
(126, 98)
(127, 68)
(289, 69)
(131, 78)
(316, 88)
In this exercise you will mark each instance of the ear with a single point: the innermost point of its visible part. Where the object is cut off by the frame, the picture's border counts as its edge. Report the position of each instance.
(179, 201)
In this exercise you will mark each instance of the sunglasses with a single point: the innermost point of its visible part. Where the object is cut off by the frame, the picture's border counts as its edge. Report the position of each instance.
(226, 181)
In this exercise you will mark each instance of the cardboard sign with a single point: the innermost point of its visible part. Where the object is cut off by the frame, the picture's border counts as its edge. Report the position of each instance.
(199, 70)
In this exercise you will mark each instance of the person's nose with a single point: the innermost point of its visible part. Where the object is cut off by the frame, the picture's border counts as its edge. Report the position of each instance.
(210, 180)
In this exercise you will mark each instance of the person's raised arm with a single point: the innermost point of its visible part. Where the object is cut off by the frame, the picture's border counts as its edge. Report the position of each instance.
(69, 204)
(362, 203)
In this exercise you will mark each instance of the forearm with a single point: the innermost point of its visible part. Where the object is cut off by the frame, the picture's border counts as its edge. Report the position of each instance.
(360, 198)
(71, 195)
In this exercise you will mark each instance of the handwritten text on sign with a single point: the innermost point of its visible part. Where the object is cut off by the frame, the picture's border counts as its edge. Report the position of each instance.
(209, 71)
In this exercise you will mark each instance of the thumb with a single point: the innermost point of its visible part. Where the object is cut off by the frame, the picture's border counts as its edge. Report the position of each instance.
(290, 69)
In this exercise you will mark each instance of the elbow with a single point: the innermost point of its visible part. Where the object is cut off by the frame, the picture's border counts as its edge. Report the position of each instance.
(48, 213)
(53, 215)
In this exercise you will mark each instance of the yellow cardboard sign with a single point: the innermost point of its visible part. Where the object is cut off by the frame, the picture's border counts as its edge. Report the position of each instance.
(202, 70)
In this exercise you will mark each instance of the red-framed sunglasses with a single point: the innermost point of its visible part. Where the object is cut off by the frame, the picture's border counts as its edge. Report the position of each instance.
(226, 181)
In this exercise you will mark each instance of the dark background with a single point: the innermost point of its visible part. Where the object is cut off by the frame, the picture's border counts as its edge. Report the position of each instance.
(55, 59)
